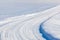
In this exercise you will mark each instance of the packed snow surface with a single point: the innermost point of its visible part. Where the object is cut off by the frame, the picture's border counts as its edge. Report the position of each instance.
(37, 26)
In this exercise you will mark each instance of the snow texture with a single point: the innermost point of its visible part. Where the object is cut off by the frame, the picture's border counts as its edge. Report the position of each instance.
(38, 26)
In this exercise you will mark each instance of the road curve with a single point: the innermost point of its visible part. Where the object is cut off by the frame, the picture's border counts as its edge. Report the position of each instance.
(28, 27)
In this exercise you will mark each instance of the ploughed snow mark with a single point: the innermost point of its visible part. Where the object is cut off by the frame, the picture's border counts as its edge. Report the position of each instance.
(26, 27)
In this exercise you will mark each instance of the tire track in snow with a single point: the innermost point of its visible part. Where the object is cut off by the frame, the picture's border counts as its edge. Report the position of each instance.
(26, 27)
(53, 28)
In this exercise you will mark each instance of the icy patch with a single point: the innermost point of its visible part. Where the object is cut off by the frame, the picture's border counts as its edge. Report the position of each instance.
(52, 27)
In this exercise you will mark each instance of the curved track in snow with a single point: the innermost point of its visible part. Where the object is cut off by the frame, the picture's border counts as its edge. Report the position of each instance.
(28, 27)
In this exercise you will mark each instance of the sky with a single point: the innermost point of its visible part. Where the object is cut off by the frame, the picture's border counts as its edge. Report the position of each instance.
(39, 1)
(30, 1)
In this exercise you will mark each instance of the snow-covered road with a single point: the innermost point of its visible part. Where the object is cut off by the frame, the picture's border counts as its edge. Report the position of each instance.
(31, 26)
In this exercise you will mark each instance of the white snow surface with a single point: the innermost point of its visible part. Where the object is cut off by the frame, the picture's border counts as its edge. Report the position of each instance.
(26, 27)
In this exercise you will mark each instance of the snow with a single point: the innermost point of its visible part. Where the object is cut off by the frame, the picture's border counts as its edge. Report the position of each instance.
(52, 26)
(28, 27)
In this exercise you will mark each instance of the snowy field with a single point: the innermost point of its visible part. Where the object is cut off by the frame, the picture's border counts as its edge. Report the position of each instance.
(29, 22)
(17, 9)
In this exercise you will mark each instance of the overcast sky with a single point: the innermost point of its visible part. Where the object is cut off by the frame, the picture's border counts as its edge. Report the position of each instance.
(39, 1)
(30, 1)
